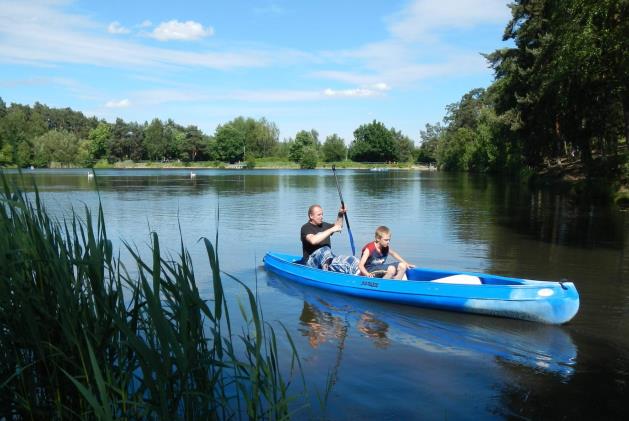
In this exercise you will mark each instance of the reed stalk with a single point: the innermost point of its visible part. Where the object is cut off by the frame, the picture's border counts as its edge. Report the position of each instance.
(82, 338)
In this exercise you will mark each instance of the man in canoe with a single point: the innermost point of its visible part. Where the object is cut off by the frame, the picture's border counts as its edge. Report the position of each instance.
(379, 260)
(316, 246)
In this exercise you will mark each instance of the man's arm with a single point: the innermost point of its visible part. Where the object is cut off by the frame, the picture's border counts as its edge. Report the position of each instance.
(317, 238)
(339, 217)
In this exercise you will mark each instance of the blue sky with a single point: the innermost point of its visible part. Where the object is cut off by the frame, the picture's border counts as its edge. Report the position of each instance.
(324, 65)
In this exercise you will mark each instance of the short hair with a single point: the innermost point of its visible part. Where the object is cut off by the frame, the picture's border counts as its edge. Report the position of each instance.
(381, 231)
(312, 208)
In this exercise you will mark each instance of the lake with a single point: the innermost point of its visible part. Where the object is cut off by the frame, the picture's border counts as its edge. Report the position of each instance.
(384, 361)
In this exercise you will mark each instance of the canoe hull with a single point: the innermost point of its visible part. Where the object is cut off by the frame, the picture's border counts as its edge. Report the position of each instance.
(540, 301)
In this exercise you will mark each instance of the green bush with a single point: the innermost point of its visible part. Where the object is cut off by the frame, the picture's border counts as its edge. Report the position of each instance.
(309, 158)
(250, 162)
(102, 163)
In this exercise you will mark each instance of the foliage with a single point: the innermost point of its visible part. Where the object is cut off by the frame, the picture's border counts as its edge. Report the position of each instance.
(334, 148)
(309, 158)
(99, 138)
(282, 149)
(127, 141)
(17, 130)
(427, 151)
(55, 146)
(560, 94)
(260, 136)
(250, 162)
(563, 86)
(373, 142)
(452, 148)
(155, 141)
(82, 338)
(195, 145)
(230, 143)
(303, 140)
(404, 146)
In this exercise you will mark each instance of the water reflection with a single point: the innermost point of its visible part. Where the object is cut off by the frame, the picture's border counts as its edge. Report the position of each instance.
(331, 317)
(320, 324)
(548, 215)
(152, 183)
(590, 395)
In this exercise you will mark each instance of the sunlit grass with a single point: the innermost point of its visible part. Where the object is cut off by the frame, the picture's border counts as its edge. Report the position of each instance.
(82, 336)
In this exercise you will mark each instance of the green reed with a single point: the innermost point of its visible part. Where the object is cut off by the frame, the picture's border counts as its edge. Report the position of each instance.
(81, 336)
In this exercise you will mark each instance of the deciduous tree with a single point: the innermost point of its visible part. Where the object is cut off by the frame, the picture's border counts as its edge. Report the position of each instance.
(334, 148)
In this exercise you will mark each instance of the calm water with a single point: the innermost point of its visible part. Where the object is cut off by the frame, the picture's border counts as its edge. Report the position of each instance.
(389, 361)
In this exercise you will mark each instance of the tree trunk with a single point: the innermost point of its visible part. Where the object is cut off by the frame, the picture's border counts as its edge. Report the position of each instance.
(625, 111)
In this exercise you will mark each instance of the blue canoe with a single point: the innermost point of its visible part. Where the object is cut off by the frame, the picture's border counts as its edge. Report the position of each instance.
(540, 301)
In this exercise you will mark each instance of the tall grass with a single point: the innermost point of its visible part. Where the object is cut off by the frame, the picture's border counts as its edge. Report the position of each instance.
(80, 337)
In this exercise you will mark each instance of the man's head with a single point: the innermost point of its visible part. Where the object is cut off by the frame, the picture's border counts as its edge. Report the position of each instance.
(315, 215)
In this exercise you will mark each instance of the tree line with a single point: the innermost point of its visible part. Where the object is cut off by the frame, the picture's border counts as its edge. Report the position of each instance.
(560, 94)
(41, 136)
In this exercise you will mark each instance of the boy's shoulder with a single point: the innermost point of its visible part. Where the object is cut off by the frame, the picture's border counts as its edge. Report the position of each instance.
(371, 246)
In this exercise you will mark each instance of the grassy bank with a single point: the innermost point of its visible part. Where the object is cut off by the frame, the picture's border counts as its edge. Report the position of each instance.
(80, 337)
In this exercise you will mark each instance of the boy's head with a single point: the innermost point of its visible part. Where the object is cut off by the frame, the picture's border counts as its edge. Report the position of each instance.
(383, 235)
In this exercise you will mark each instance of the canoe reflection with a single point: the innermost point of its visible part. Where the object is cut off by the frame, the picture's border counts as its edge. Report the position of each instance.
(326, 316)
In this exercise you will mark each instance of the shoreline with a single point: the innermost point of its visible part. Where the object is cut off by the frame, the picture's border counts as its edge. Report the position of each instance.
(271, 166)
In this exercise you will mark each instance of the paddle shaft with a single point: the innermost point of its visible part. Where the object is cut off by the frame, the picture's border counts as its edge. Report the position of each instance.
(349, 230)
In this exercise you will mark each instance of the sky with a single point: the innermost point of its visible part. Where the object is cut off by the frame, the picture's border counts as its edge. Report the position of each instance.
(325, 65)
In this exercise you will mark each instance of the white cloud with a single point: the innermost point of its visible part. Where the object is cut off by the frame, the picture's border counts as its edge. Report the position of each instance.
(287, 95)
(116, 28)
(41, 34)
(123, 103)
(352, 78)
(381, 86)
(418, 21)
(181, 31)
(367, 91)
(145, 24)
(406, 70)
(418, 47)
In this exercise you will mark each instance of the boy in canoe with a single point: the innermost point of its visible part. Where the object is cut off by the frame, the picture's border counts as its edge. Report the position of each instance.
(379, 260)
(315, 241)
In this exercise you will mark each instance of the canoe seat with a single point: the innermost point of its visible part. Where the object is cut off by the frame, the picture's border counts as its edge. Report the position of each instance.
(459, 279)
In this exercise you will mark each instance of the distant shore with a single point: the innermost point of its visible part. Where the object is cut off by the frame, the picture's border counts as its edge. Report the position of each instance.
(275, 165)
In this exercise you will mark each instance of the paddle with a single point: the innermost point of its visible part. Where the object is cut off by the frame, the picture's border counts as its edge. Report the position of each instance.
(349, 230)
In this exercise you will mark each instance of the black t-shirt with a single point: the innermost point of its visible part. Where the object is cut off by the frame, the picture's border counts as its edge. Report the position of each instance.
(308, 229)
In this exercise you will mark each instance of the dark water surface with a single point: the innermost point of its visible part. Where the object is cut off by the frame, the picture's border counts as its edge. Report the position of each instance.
(387, 361)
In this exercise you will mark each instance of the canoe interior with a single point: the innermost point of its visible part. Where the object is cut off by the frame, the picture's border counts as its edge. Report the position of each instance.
(427, 275)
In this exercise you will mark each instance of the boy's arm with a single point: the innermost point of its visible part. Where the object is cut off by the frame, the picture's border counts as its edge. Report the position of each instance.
(400, 258)
(361, 264)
